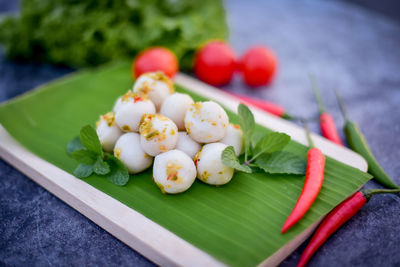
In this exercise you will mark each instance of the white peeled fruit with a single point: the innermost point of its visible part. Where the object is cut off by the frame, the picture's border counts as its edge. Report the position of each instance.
(206, 122)
(117, 104)
(173, 171)
(131, 110)
(234, 137)
(175, 107)
(187, 145)
(128, 150)
(108, 131)
(156, 85)
(210, 168)
(120, 99)
(157, 134)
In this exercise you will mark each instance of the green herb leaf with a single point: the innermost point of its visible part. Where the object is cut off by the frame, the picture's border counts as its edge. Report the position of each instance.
(84, 156)
(119, 173)
(282, 162)
(229, 158)
(90, 140)
(255, 138)
(109, 31)
(271, 142)
(74, 145)
(247, 124)
(83, 170)
(246, 120)
(101, 167)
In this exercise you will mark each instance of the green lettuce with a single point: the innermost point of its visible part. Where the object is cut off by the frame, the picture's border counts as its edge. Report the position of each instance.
(81, 33)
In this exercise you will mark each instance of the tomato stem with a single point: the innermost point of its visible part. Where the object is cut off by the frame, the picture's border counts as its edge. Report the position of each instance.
(317, 94)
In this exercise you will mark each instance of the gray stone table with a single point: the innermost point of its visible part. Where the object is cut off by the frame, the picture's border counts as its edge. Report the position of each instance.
(348, 48)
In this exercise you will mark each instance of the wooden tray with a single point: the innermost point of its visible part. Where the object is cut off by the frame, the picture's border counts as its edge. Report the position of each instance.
(150, 239)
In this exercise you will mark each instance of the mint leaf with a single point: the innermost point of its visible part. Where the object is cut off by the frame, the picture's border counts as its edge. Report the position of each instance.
(255, 138)
(101, 167)
(84, 156)
(246, 120)
(83, 170)
(247, 124)
(90, 140)
(229, 158)
(282, 162)
(271, 142)
(74, 145)
(119, 173)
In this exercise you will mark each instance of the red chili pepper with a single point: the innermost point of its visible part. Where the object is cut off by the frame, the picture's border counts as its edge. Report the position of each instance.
(328, 128)
(326, 122)
(267, 106)
(312, 185)
(336, 218)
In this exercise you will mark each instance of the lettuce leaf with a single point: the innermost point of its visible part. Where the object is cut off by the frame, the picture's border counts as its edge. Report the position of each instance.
(88, 32)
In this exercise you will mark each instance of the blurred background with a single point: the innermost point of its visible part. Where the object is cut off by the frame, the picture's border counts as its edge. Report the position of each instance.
(389, 8)
(349, 45)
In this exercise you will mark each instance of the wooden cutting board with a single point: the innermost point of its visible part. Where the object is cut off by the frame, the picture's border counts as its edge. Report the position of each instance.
(140, 233)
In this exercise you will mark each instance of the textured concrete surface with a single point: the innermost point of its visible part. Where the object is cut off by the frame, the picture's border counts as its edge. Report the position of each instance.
(348, 48)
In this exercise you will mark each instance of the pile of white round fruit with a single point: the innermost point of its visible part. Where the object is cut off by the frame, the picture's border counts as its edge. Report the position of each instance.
(186, 138)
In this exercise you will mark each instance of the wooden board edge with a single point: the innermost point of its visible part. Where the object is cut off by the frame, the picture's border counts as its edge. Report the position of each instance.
(138, 232)
(339, 153)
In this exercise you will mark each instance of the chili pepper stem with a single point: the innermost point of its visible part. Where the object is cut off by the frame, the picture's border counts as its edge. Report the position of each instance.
(288, 117)
(310, 141)
(341, 105)
(317, 94)
(368, 193)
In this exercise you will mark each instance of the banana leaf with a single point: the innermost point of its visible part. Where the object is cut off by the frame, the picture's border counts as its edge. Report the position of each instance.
(238, 223)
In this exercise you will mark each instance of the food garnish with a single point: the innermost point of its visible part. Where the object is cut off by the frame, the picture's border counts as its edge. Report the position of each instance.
(358, 143)
(326, 122)
(312, 184)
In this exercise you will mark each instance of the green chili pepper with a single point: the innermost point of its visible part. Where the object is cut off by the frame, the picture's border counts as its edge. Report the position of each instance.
(357, 142)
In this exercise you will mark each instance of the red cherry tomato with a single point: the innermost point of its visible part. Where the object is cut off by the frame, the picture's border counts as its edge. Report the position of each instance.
(215, 63)
(155, 59)
(258, 66)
